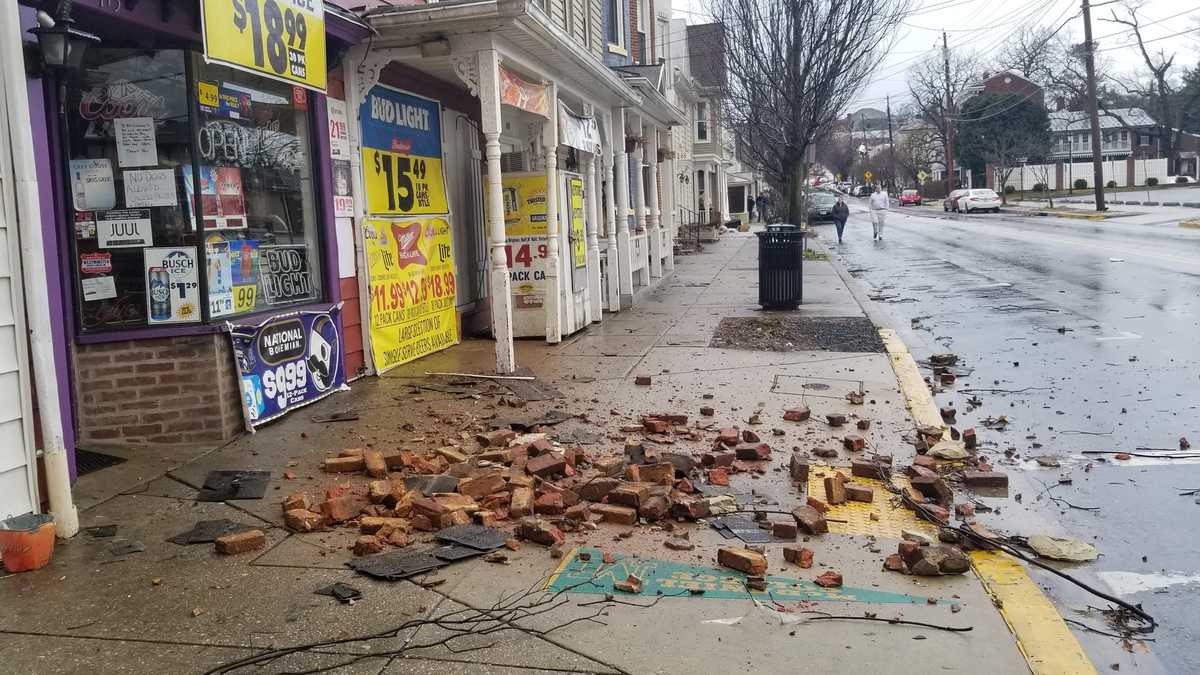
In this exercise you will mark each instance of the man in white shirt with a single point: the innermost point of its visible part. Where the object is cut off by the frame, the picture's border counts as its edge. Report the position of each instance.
(879, 209)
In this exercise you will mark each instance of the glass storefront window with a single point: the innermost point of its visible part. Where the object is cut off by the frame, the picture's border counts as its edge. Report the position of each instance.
(143, 168)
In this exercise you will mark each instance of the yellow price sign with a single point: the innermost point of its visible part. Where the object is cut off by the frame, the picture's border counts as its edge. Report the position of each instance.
(244, 298)
(868, 175)
(206, 93)
(403, 185)
(282, 39)
(578, 233)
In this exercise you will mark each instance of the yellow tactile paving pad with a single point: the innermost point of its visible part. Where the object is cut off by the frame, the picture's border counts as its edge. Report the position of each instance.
(892, 518)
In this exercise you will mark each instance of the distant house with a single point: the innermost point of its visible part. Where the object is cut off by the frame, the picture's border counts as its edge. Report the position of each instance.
(1005, 82)
(1125, 132)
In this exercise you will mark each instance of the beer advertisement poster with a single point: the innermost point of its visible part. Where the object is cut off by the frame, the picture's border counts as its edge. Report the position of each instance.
(402, 154)
(172, 284)
(412, 287)
(525, 235)
(287, 362)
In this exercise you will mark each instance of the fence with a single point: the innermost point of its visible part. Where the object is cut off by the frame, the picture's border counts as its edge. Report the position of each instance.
(1123, 172)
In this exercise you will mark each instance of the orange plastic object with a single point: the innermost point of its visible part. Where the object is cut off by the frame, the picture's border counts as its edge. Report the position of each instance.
(26, 542)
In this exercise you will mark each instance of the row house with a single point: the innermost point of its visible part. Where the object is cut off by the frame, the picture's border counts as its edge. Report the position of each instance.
(225, 218)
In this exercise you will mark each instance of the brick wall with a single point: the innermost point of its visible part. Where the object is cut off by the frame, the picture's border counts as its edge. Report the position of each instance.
(163, 391)
(632, 31)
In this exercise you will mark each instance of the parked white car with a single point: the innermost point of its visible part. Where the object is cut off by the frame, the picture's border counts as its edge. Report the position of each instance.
(979, 200)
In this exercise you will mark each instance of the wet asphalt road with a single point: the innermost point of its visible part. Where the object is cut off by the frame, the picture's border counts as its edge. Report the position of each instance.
(1087, 336)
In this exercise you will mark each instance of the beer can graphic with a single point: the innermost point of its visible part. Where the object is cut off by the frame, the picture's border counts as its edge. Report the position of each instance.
(160, 294)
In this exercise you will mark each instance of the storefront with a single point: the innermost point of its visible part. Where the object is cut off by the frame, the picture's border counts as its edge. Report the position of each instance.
(185, 199)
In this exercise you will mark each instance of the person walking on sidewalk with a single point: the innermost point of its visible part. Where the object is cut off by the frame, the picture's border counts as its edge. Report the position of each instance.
(762, 207)
(879, 209)
(840, 213)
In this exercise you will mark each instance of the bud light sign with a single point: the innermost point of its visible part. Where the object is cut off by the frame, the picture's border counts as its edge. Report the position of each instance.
(287, 362)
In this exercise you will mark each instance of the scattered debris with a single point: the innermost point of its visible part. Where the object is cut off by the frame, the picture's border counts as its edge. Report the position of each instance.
(1062, 548)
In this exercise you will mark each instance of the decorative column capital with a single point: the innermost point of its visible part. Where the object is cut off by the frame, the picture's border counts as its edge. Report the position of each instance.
(466, 68)
(371, 68)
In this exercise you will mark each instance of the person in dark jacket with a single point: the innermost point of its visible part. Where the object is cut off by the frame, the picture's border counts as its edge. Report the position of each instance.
(840, 213)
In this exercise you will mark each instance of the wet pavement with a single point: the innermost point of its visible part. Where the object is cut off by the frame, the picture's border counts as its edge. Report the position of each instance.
(1084, 334)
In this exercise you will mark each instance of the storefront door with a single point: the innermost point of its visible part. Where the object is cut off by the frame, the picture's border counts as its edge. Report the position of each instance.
(573, 247)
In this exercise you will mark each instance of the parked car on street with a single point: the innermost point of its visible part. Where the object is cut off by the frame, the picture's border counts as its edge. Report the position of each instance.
(862, 191)
(910, 198)
(820, 206)
(979, 200)
(950, 203)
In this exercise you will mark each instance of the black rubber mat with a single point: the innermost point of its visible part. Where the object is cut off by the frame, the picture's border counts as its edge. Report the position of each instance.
(87, 461)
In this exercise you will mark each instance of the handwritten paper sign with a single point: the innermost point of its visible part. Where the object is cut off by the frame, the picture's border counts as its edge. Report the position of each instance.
(92, 185)
(135, 141)
(150, 187)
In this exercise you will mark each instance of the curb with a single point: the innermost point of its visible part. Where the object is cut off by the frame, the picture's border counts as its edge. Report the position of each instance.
(1048, 645)
(1192, 224)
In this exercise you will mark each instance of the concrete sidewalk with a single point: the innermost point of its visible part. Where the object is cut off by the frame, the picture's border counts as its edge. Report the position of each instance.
(185, 609)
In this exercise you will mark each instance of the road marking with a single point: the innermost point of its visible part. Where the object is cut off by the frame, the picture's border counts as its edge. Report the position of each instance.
(1049, 647)
(1121, 335)
(1128, 583)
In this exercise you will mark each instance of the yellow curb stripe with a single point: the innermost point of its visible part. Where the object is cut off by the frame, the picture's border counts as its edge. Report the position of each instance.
(1194, 224)
(561, 566)
(1049, 647)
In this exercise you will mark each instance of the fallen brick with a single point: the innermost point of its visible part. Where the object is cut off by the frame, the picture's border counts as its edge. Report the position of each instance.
(630, 584)
(351, 452)
(894, 563)
(970, 438)
(925, 461)
(577, 512)
(933, 487)
(859, 493)
(612, 513)
(863, 424)
(654, 508)
(915, 470)
(344, 464)
(662, 473)
(948, 413)
(707, 411)
(343, 508)
(241, 542)
(854, 442)
(866, 468)
(712, 459)
(817, 504)
(482, 486)
(374, 463)
(797, 414)
(451, 454)
(642, 380)
(718, 477)
(629, 494)
(378, 491)
(609, 466)
(728, 436)
(367, 545)
(546, 465)
(539, 531)
(835, 420)
(783, 530)
(835, 490)
(656, 426)
(496, 456)
(498, 438)
(522, 502)
(302, 520)
(300, 500)
(597, 488)
(748, 436)
(947, 378)
(373, 524)
(753, 452)
(810, 520)
(485, 518)
(679, 544)
(454, 501)
(985, 479)
(829, 579)
(798, 468)
(743, 560)
(550, 504)
(937, 514)
(827, 453)
(964, 511)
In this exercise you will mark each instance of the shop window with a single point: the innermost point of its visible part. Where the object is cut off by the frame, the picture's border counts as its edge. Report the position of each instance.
(141, 163)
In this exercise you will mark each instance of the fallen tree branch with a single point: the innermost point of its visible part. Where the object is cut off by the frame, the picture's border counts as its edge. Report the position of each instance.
(903, 622)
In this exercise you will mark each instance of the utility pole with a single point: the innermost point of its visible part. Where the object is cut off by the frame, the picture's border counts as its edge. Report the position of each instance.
(892, 145)
(949, 115)
(1097, 162)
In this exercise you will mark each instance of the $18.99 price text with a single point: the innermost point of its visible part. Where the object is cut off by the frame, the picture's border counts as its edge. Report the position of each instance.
(401, 294)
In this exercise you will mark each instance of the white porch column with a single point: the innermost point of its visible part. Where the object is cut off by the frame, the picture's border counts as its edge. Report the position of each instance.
(553, 282)
(595, 306)
(637, 182)
(723, 191)
(653, 211)
(671, 223)
(614, 271)
(501, 300)
(621, 169)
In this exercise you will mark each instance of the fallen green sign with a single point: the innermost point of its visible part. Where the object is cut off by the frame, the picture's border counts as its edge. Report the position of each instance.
(593, 575)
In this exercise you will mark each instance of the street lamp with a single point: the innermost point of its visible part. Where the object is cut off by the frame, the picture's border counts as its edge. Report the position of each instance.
(61, 44)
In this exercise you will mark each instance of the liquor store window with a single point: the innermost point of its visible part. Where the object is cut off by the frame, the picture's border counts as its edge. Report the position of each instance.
(191, 191)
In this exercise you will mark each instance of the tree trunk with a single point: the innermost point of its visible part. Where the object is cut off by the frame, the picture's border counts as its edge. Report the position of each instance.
(795, 203)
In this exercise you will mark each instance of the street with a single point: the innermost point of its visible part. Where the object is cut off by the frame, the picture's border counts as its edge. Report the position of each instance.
(1084, 335)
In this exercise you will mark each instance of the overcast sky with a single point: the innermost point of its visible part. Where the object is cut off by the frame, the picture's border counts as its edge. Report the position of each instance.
(984, 25)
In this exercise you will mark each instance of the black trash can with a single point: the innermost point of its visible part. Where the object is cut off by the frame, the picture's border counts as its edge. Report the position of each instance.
(780, 267)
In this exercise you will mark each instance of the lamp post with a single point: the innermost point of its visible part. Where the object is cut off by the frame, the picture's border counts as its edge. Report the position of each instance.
(61, 44)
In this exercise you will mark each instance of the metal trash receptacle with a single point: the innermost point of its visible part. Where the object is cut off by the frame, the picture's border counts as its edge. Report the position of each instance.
(780, 267)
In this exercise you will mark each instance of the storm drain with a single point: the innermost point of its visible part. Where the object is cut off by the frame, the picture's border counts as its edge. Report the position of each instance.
(789, 333)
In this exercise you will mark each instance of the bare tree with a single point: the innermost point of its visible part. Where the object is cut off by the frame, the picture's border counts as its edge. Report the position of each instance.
(1030, 53)
(793, 68)
(835, 150)
(917, 151)
(927, 88)
(1161, 85)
